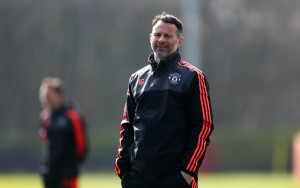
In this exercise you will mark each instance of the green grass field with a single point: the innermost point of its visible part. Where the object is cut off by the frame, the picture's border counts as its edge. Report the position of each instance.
(106, 180)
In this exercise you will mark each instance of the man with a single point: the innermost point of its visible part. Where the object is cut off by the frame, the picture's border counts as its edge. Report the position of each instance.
(167, 117)
(63, 135)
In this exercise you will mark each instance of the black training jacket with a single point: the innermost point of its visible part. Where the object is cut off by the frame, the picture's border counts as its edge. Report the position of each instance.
(63, 133)
(167, 120)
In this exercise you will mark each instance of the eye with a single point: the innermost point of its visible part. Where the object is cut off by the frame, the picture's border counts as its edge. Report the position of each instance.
(156, 34)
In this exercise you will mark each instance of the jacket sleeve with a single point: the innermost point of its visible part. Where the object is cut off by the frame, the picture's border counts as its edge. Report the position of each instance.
(79, 133)
(201, 120)
(122, 165)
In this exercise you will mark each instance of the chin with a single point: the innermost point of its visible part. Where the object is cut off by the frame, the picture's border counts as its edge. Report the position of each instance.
(162, 56)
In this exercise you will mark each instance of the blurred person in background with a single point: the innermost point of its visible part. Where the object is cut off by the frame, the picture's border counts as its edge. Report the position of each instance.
(167, 118)
(63, 134)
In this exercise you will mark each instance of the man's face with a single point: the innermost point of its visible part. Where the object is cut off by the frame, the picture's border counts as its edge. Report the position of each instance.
(50, 98)
(164, 39)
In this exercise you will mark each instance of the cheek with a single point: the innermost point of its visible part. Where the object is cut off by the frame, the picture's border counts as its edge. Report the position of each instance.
(176, 44)
(153, 44)
(152, 40)
(43, 97)
(49, 98)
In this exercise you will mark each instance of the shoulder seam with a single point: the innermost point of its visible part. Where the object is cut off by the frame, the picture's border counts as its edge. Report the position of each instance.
(191, 67)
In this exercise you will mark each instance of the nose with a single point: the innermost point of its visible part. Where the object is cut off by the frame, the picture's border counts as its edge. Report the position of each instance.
(161, 39)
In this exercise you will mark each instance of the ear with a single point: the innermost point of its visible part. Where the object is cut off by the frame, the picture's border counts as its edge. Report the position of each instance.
(150, 36)
(180, 41)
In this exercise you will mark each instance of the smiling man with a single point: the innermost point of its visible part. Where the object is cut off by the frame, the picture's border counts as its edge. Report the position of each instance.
(167, 118)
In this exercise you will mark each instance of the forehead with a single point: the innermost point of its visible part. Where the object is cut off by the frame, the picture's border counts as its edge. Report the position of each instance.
(162, 27)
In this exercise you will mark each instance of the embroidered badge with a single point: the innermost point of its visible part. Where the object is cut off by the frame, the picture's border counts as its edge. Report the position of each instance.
(174, 78)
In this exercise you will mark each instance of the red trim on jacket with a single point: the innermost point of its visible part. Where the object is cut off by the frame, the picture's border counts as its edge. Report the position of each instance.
(206, 116)
(70, 183)
(79, 135)
(120, 147)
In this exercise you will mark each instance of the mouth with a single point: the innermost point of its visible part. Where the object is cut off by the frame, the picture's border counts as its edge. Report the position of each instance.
(161, 47)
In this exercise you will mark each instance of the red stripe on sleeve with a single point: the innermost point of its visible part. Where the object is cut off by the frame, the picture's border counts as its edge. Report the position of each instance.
(74, 183)
(80, 141)
(120, 147)
(70, 183)
(206, 116)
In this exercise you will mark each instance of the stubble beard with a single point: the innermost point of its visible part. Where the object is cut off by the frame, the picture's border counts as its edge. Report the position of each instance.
(161, 54)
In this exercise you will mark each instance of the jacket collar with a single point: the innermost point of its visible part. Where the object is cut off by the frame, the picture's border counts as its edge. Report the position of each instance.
(175, 57)
(60, 110)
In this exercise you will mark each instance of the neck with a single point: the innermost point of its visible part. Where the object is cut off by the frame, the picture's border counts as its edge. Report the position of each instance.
(55, 107)
(157, 59)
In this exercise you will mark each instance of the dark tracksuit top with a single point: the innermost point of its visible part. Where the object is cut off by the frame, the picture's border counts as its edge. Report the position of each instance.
(167, 120)
(65, 143)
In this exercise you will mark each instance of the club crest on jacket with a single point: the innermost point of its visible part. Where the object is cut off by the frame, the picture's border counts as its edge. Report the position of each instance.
(174, 78)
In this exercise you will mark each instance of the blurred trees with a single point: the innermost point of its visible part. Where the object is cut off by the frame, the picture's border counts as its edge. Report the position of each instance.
(251, 57)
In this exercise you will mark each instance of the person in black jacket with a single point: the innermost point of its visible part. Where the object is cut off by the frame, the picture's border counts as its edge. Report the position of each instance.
(167, 118)
(63, 135)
